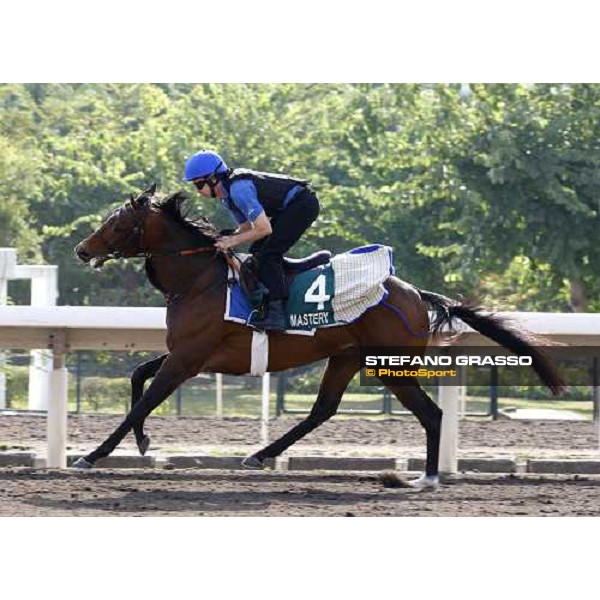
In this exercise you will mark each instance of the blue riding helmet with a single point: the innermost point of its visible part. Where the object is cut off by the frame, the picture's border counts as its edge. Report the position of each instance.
(204, 164)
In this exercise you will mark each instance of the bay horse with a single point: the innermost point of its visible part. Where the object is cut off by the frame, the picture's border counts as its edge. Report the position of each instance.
(182, 262)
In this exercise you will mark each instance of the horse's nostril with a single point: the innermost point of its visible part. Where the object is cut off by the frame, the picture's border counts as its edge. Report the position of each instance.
(82, 253)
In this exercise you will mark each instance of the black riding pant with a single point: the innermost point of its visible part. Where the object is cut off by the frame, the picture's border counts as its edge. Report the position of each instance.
(288, 226)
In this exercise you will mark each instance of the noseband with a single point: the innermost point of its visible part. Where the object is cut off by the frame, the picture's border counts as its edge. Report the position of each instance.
(138, 230)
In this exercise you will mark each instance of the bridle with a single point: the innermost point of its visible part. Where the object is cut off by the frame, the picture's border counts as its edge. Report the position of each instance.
(138, 230)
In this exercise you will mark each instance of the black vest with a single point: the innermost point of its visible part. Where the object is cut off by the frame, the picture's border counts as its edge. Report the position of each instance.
(271, 188)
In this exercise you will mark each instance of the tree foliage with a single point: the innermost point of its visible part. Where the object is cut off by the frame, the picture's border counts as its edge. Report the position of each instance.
(494, 196)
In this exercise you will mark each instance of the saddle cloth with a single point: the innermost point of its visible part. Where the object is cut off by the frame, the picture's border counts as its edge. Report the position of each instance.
(330, 295)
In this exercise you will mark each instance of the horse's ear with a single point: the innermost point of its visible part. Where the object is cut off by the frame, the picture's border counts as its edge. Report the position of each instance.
(151, 190)
(140, 202)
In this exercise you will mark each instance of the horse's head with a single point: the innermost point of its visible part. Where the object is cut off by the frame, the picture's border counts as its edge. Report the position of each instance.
(121, 235)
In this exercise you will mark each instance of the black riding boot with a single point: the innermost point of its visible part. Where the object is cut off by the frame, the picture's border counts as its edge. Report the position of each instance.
(274, 319)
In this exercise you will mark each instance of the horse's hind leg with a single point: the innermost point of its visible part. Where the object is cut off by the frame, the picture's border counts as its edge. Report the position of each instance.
(429, 415)
(338, 374)
(139, 377)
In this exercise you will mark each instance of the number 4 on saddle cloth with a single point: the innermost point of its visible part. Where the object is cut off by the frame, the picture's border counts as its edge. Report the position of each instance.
(327, 295)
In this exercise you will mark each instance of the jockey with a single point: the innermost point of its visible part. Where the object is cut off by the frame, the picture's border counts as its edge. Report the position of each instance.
(272, 212)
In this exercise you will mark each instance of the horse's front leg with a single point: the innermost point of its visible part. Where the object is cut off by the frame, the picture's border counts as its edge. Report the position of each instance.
(139, 377)
(175, 369)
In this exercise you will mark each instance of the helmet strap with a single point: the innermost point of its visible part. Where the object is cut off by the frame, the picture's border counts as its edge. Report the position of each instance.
(212, 183)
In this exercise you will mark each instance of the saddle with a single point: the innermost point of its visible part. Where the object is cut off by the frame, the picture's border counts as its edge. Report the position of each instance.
(330, 295)
(292, 266)
(255, 290)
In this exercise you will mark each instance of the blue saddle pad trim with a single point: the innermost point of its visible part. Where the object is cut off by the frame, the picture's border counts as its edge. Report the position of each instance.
(239, 308)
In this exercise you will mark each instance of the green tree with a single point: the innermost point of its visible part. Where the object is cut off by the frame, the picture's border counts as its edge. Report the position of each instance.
(492, 196)
(532, 168)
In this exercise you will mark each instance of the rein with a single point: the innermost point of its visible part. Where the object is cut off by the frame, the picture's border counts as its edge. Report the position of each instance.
(188, 252)
(145, 254)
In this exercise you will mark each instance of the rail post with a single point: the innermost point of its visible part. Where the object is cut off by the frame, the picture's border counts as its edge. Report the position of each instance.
(448, 401)
(56, 456)
(596, 387)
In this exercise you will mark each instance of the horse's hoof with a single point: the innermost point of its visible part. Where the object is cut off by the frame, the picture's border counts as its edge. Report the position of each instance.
(426, 482)
(252, 462)
(81, 463)
(143, 445)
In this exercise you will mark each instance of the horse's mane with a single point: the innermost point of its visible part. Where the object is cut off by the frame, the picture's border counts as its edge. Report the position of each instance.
(202, 228)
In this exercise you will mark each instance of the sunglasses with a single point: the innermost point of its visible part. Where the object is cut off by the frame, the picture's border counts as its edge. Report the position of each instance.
(200, 183)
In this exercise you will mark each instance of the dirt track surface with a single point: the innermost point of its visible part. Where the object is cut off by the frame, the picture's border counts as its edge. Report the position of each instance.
(87, 431)
(191, 492)
(25, 492)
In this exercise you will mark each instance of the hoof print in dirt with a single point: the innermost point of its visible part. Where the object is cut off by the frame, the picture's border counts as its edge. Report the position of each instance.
(391, 479)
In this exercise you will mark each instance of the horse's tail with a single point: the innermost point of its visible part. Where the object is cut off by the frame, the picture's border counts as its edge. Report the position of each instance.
(500, 329)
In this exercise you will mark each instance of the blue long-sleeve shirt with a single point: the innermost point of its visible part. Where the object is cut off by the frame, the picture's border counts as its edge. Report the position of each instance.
(243, 203)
